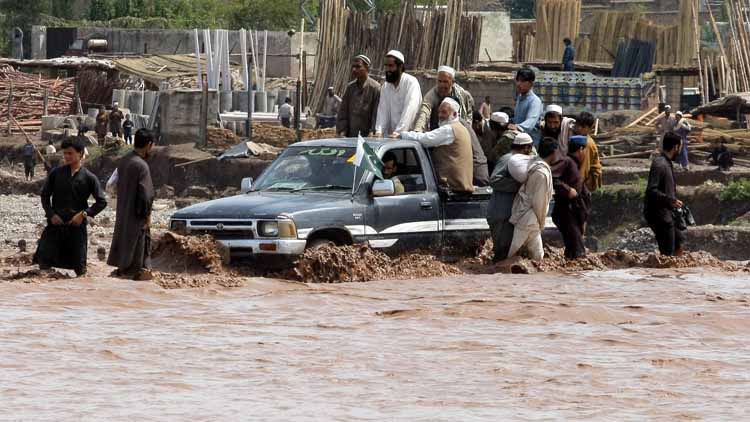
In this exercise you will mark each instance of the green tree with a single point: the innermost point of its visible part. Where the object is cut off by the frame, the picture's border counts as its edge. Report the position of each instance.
(101, 10)
(22, 14)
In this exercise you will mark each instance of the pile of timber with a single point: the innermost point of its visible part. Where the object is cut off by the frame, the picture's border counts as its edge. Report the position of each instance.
(281, 137)
(675, 44)
(555, 21)
(639, 140)
(27, 100)
(441, 35)
(729, 70)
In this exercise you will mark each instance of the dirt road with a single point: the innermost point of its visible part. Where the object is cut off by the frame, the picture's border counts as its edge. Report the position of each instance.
(617, 345)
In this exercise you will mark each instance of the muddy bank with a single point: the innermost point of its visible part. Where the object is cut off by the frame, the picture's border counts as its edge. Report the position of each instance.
(632, 171)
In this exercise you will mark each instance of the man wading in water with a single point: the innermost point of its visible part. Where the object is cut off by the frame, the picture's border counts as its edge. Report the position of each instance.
(64, 242)
(131, 243)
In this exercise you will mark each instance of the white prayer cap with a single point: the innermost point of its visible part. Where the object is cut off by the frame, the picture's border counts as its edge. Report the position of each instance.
(667, 107)
(554, 108)
(500, 117)
(522, 139)
(452, 103)
(447, 69)
(679, 113)
(116, 104)
(397, 54)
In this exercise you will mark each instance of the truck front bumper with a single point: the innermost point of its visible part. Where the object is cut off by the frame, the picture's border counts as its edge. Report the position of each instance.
(265, 246)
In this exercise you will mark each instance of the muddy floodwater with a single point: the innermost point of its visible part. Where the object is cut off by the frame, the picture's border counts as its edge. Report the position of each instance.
(615, 345)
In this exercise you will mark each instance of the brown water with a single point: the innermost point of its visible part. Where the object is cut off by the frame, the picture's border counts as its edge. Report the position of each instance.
(616, 345)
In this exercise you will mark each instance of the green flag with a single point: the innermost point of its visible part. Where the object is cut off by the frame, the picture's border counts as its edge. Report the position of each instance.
(366, 159)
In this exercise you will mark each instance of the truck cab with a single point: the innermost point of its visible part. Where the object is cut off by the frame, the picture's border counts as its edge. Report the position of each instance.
(313, 195)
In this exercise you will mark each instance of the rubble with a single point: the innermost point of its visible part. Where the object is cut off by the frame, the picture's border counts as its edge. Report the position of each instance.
(188, 254)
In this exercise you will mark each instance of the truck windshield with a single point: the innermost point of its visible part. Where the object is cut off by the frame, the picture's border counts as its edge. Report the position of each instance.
(310, 168)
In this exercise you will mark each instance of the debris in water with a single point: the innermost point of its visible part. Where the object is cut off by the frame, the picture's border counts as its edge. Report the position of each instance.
(340, 264)
(173, 253)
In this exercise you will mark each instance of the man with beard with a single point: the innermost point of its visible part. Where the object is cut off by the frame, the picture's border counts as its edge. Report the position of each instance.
(451, 143)
(360, 102)
(572, 199)
(558, 127)
(427, 118)
(529, 107)
(131, 242)
(400, 98)
(661, 201)
(64, 242)
(504, 190)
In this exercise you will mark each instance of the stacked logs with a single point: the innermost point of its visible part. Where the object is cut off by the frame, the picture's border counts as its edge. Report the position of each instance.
(435, 36)
(27, 99)
(555, 21)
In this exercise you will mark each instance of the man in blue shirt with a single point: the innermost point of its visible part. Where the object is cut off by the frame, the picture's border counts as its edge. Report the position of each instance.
(528, 106)
(569, 56)
(29, 159)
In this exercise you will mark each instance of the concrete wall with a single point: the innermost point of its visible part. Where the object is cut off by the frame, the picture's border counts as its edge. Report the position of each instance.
(310, 46)
(180, 114)
(497, 38)
(38, 42)
(180, 41)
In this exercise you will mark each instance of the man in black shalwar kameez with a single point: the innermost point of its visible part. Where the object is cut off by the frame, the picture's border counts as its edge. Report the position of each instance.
(131, 243)
(64, 242)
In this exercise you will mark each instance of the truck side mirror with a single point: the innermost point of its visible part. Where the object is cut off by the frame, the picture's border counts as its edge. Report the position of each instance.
(246, 185)
(383, 188)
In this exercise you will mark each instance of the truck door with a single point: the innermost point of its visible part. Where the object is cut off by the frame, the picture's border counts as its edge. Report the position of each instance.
(465, 225)
(409, 219)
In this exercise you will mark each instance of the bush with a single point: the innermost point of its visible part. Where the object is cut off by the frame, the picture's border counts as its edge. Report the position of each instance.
(737, 190)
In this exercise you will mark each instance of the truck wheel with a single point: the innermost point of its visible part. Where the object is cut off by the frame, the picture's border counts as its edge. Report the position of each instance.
(319, 243)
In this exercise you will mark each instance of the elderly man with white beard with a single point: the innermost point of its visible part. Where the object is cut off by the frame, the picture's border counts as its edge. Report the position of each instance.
(451, 143)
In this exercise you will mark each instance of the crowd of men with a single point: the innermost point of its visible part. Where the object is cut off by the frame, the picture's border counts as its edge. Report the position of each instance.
(528, 159)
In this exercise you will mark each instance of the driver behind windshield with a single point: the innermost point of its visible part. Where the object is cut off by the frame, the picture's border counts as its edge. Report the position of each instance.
(390, 168)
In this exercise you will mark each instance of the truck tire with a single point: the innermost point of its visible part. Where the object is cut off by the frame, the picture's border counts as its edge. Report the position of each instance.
(319, 243)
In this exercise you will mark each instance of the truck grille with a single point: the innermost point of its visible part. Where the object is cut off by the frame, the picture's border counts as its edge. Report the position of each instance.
(225, 234)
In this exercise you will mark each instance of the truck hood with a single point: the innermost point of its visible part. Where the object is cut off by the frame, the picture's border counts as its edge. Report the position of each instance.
(263, 205)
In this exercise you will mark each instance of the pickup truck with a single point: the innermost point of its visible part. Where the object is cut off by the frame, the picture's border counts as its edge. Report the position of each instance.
(305, 199)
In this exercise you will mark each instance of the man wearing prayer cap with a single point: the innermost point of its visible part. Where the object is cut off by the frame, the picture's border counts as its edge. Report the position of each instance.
(400, 98)
(327, 118)
(529, 213)
(427, 118)
(572, 198)
(558, 127)
(451, 148)
(504, 190)
(664, 123)
(357, 112)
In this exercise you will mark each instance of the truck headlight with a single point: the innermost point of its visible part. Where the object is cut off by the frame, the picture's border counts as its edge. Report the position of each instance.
(178, 226)
(268, 229)
(284, 229)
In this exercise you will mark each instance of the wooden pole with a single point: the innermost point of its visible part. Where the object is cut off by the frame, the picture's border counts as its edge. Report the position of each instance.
(704, 94)
(10, 107)
(203, 128)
